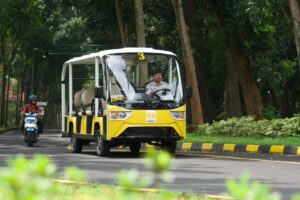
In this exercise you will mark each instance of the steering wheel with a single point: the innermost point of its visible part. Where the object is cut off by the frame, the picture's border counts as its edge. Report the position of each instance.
(156, 96)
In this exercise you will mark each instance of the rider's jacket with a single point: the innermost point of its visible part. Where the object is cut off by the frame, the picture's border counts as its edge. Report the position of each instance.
(31, 108)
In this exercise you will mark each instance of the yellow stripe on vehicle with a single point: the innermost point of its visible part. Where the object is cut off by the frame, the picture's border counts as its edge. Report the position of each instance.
(252, 148)
(276, 149)
(186, 146)
(228, 147)
(298, 151)
(206, 146)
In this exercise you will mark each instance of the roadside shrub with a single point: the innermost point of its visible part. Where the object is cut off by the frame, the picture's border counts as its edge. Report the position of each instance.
(30, 179)
(248, 126)
(270, 112)
(245, 189)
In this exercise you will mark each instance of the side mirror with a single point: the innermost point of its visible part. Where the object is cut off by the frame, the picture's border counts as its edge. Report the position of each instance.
(188, 92)
(99, 92)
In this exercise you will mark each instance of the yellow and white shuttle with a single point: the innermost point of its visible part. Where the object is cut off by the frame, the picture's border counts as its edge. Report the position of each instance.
(115, 109)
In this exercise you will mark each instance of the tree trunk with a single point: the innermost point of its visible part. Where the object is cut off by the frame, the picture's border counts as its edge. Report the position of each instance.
(233, 107)
(7, 98)
(188, 60)
(209, 110)
(295, 15)
(17, 119)
(141, 39)
(139, 21)
(2, 107)
(17, 100)
(251, 94)
(120, 23)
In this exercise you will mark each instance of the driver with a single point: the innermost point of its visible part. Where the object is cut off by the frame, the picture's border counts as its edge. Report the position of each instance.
(156, 83)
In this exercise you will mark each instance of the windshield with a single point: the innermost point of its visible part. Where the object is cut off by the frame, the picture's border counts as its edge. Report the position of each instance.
(141, 81)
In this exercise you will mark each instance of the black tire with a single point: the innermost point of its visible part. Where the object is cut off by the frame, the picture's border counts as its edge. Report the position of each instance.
(135, 147)
(29, 139)
(76, 145)
(30, 144)
(102, 146)
(169, 146)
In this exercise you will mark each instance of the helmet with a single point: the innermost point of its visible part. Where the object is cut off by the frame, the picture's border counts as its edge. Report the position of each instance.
(32, 98)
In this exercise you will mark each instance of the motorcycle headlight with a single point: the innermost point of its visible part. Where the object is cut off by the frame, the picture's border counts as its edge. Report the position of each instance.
(178, 115)
(120, 115)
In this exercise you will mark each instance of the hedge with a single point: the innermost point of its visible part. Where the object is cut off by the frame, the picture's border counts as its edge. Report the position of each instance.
(248, 126)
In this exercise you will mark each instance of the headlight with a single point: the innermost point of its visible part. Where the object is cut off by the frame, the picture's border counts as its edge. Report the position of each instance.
(120, 115)
(178, 115)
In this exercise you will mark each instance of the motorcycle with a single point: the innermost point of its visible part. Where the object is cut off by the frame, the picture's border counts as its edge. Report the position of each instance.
(30, 129)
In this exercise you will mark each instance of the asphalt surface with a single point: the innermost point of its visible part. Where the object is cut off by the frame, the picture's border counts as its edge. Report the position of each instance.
(199, 173)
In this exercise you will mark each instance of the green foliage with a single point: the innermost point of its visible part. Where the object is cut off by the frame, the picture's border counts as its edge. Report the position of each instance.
(244, 189)
(130, 179)
(159, 162)
(74, 174)
(30, 179)
(296, 197)
(270, 112)
(248, 126)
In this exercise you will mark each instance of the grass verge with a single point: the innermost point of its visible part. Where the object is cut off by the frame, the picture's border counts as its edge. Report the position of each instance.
(109, 192)
(288, 141)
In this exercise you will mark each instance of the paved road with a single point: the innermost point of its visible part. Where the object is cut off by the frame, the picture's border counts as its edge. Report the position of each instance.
(202, 173)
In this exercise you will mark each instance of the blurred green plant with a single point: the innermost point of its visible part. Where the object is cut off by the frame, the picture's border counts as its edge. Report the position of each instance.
(30, 179)
(244, 189)
(159, 162)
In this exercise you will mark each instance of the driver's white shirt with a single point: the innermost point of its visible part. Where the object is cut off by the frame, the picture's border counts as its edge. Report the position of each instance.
(153, 86)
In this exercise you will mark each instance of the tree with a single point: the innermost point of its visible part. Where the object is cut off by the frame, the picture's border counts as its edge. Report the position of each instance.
(141, 38)
(188, 60)
(238, 64)
(124, 36)
(295, 16)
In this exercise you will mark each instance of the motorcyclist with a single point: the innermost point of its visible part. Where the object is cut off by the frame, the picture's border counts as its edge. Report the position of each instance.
(32, 107)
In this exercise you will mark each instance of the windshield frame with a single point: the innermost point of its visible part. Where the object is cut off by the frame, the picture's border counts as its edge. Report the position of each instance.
(107, 82)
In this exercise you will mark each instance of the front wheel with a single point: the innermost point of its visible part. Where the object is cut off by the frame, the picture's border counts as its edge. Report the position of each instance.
(169, 146)
(76, 145)
(29, 144)
(29, 139)
(102, 146)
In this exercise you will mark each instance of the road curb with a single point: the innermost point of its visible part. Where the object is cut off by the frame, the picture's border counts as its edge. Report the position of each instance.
(239, 148)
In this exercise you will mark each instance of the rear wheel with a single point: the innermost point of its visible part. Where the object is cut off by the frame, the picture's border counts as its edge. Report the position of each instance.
(102, 146)
(135, 147)
(76, 144)
(169, 146)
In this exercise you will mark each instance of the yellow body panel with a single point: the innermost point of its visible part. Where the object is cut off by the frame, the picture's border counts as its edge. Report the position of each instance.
(69, 121)
(83, 124)
(97, 120)
(138, 118)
